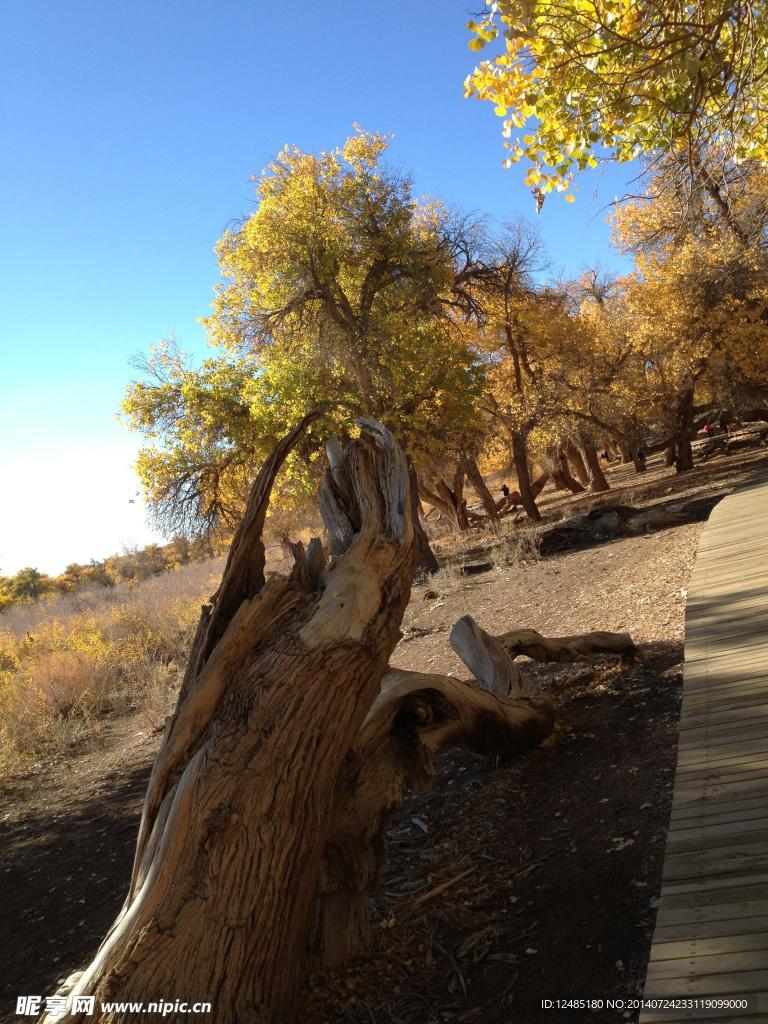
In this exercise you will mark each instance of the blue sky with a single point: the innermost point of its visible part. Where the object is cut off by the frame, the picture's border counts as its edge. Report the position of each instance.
(130, 131)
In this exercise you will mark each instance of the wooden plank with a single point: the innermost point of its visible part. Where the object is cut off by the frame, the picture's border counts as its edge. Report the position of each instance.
(711, 934)
(757, 768)
(714, 868)
(720, 744)
(718, 830)
(714, 886)
(694, 794)
(707, 965)
(735, 982)
(726, 720)
(717, 733)
(749, 845)
(717, 811)
(709, 704)
(740, 751)
(714, 697)
(719, 689)
(739, 648)
(711, 709)
(723, 927)
(716, 835)
(712, 945)
(702, 907)
(701, 631)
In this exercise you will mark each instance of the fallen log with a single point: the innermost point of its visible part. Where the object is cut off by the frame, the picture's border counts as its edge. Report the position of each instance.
(606, 521)
(580, 647)
(485, 654)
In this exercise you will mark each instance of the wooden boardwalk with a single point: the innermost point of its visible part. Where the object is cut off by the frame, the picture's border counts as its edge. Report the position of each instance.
(711, 936)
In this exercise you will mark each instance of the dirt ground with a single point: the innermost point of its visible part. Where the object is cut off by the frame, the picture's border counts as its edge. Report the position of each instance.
(507, 884)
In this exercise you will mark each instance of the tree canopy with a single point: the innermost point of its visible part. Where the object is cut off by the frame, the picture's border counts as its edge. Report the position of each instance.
(342, 292)
(593, 79)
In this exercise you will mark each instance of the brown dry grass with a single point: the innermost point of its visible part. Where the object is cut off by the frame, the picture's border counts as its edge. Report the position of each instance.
(66, 664)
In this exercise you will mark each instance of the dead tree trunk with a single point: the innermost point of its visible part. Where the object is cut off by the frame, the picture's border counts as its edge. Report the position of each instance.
(531, 644)
(240, 804)
(415, 715)
(527, 496)
(475, 477)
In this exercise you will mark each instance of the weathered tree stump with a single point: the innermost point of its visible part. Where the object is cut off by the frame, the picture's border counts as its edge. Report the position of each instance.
(240, 804)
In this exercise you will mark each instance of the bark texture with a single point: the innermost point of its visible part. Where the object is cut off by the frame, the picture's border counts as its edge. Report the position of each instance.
(528, 492)
(415, 715)
(449, 501)
(425, 560)
(531, 644)
(477, 480)
(579, 466)
(597, 480)
(684, 429)
(557, 466)
(240, 803)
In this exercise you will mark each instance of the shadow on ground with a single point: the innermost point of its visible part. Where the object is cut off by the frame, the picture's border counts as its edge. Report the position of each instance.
(64, 876)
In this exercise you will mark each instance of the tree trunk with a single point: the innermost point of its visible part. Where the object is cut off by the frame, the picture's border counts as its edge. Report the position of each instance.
(597, 481)
(626, 453)
(670, 454)
(475, 477)
(576, 460)
(450, 502)
(425, 559)
(684, 458)
(561, 474)
(240, 803)
(684, 429)
(527, 497)
(415, 715)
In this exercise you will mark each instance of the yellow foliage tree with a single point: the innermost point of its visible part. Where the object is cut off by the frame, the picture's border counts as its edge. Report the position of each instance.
(587, 80)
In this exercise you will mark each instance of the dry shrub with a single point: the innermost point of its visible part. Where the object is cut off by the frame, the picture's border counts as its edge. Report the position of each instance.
(518, 549)
(59, 683)
(447, 578)
(60, 675)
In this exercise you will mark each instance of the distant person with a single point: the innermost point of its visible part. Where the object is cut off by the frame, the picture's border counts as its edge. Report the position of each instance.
(505, 490)
(605, 456)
